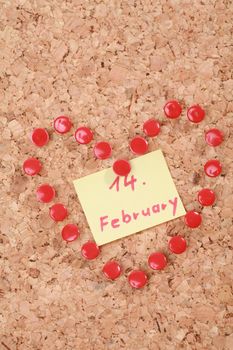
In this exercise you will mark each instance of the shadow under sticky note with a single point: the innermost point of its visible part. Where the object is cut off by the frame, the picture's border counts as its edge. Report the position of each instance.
(117, 206)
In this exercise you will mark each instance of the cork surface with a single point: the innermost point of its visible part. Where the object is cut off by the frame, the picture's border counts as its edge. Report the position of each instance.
(111, 65)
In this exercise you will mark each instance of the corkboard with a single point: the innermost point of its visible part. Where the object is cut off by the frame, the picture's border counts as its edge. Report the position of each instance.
(111, 65)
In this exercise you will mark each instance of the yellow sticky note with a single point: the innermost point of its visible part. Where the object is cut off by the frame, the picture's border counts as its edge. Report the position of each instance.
(117, 206)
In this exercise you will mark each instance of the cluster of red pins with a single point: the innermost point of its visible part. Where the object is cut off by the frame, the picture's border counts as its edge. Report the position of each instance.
(102, 150)
(212, 168)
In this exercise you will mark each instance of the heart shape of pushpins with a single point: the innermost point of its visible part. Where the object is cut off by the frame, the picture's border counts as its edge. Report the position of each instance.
(102, 150)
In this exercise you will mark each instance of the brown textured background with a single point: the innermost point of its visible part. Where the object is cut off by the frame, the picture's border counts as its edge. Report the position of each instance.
(111, 65)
